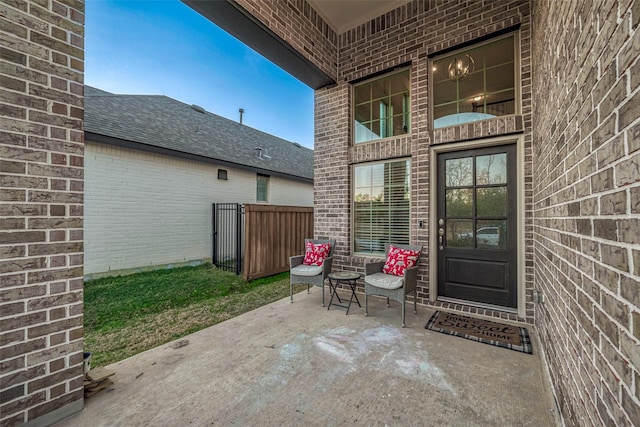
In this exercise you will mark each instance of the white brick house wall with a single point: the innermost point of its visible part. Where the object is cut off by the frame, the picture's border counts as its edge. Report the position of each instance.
(144, 209)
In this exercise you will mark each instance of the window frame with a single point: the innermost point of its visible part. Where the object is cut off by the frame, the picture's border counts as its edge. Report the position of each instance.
(266, 190)
(380, 254)
(517, 70)
(385, 75)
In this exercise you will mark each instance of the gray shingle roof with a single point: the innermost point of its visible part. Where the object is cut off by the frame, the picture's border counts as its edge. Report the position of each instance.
(157, 121)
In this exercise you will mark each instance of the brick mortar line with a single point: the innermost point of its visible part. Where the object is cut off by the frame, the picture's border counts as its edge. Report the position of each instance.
(628, 247)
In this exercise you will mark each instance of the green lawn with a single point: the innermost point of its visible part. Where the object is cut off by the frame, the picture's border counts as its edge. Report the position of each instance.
(126, 315)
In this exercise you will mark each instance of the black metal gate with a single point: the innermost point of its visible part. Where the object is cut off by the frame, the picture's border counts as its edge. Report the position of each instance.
(228, 239)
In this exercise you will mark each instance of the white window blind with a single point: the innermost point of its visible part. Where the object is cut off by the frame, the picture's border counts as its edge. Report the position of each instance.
(381, 205)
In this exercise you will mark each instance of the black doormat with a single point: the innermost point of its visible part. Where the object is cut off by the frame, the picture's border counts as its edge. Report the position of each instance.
(485, 331)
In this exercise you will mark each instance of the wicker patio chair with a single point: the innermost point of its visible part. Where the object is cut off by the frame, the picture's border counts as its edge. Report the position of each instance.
(310, 274)
(386, 285)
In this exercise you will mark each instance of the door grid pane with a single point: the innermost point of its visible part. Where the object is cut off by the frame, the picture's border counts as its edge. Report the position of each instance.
(477, 215)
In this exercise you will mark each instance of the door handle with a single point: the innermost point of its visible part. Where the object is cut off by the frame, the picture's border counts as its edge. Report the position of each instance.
(441, 238)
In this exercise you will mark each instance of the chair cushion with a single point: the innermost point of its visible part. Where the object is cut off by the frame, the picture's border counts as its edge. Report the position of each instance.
(315, 254)
(385, 281)
(399, 259)
(306, 270)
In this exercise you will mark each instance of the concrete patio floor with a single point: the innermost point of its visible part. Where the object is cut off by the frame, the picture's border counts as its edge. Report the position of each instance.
(303, 365)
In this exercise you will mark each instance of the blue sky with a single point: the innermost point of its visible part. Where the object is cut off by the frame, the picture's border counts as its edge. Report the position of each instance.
(163, 47)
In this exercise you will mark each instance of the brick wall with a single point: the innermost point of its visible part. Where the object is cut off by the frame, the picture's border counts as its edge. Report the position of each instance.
(332, 208)
(587, 205)
(144, 209)
(41, 210)
(410, 34)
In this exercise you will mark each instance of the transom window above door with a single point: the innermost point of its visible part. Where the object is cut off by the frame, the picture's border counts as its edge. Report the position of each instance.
(476, 83)
(381, 107)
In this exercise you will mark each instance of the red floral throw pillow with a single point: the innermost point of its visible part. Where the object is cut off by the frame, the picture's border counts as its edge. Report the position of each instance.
(315, 254)
(400, 259)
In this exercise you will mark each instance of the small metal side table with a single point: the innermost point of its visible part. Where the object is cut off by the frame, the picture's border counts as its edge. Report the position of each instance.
(343, 277)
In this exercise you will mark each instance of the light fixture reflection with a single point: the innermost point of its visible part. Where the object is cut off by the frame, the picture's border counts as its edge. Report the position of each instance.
(461, 67)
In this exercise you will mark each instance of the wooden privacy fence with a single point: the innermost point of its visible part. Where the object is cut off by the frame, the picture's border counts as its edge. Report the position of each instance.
(271, 235)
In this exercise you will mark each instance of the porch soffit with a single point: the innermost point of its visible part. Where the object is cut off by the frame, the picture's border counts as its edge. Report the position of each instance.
(343, 15)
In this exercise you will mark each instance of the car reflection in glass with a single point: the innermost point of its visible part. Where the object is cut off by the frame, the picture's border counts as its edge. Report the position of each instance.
(488, 237)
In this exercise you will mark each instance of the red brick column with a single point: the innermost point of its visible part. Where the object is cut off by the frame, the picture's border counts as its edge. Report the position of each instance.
(41, 210)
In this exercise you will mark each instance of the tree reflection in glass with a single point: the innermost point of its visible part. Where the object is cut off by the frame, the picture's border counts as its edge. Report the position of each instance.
(459, 172)
(491, 169)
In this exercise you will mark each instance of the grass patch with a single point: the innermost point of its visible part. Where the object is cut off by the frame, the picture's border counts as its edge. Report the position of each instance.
(126, 315)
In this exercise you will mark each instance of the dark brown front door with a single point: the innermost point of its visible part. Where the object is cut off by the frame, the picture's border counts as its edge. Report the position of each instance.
(477, 225)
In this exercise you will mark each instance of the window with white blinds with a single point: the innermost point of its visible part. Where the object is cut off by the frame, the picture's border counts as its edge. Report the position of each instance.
(380, 205)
